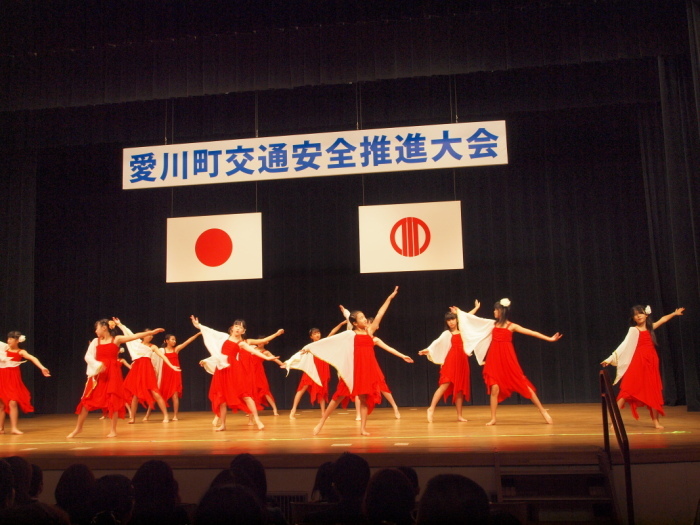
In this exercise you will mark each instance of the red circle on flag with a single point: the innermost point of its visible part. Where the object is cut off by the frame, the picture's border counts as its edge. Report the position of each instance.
(213, 247)
(409, 242)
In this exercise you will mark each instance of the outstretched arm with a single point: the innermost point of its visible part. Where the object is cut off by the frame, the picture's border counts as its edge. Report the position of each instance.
(382, 310)
(275, 359)
(526, 331)
(477, 305)
(247, 347)
(30, 357)
(140, 335)
(159, 353)
(267, 339)
(666, 318)
(183, 345)
(381, 344)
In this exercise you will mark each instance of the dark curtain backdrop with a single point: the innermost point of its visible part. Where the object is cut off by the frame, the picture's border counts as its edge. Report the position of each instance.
(563, 230)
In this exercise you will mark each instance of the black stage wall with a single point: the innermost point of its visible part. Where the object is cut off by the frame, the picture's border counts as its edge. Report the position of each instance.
(596, 210)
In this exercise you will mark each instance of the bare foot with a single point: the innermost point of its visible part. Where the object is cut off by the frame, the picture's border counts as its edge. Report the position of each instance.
(462, 419)
(215, 421)
(547, 417)
(145, 418)
(259, 424)
(220, 429)
(166, 420)
(292, 415)
(104, 417)
(131, 422)
(275, 414)
(364, 433)
(18, 432)
(74, 433)
(658, 425)
(174, 418)
(491, 423)
(397, 415)
(318, 428)
(358, 418)
(430, 415)
(112, 434)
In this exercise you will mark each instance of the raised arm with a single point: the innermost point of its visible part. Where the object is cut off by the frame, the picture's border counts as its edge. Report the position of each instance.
(382, 310)
(30, 357)
(527, 331)
(336, 328)
(381, 344)
(666, 318)
(183, 345)
(267, 339)
(477, 305)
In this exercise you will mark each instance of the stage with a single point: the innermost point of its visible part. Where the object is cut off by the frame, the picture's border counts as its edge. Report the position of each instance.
(668, 458)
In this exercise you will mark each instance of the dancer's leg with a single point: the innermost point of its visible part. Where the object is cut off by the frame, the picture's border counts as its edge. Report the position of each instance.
(271, 400)
(364, 410)
(79, 425)
(297, 399)
(393, 404)
(655, 419)
(459, 401)
(536, 402)
(161, 404)
(134, 408)
(176, 405)
(221, 418)
(253, 412)
(2, 417)
(326, 414)
(495, 390)
(436, 399)
(113, 426)
(14, 416)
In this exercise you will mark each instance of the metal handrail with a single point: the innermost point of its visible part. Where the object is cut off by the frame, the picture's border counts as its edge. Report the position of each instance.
(610, 408)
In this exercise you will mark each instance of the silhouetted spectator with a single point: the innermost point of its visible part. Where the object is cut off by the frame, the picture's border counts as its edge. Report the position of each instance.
(229, 505)
(74, 491)
(26, 511)
(350, 478)
(22, 475)
(452, 499)
(389, 498)
(156, 496)
(7, 486)
(247, 470)
(412, 476)
(323, 491)
(36, 485)
(113, 500)
(225, 477)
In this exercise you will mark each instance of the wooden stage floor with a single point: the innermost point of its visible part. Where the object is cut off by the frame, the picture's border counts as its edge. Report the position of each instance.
(520, 438)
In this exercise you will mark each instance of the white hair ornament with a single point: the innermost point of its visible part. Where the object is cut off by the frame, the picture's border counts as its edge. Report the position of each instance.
(505, 302)
(647, 310)
(21, 338)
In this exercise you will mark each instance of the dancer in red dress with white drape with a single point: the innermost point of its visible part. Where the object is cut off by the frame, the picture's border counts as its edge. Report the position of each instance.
(352, 355)
(13, 392)
(141, 383)
(448, 351)
(104, 389)
(638, 364)
(232, 385)
(262, 385)
(318, 392)
(492, 343)
(170, 380)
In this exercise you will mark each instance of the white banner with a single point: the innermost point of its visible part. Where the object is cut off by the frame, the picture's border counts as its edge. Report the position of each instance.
(214, 248)
(411, 237)
(316, 155)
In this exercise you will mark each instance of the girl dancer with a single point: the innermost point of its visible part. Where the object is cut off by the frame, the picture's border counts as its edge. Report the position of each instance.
(317, 393)
(494, 342)
(352, 354)
(141, 384)
(13, 392)
(448, 351)
(232, 384)
(105, 387)
(170, 381)
(638, 364)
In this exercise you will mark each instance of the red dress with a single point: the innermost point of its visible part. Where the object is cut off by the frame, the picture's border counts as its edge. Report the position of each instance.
(170, 380)
(141, 381)
(317, 393)
(105, 391)
(233, 383)
(641, 384)
(455, 370)
(12, 387)
(502, 367)
(261, 385)
(368, 377)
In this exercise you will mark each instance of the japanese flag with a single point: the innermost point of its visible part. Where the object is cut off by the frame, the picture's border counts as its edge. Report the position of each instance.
(214, 248)
(411, 237)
